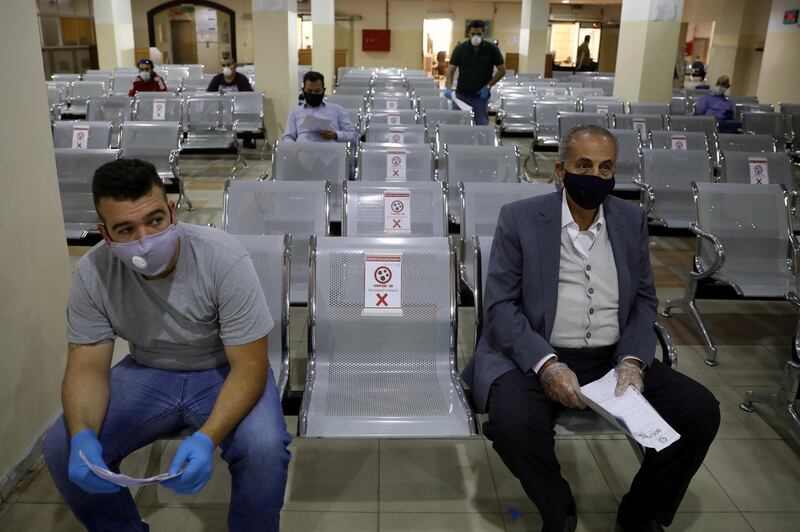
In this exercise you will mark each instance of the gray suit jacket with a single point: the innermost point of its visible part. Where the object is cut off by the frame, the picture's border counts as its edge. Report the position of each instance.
(521, 289)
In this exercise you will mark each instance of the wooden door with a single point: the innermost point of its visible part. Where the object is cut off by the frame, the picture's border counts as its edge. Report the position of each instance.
(184, 42)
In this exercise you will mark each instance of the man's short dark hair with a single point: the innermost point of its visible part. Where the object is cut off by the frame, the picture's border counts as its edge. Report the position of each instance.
(477, 24)
(125, 180)
(312, 75)
(564, 145)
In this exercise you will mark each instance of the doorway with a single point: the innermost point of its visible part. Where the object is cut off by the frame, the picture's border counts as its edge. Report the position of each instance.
(437, 42)
(184, 42)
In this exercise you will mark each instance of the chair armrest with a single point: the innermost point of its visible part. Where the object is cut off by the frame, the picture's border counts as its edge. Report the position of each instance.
(264, 176)
(794, 299)
(175, 163)
(719, 254)
(669, 353)
(649, 197)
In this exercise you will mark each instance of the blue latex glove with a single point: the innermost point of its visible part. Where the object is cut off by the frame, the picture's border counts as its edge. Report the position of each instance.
(448, 94)
(79, 473)
(197, 451)
(483, 94)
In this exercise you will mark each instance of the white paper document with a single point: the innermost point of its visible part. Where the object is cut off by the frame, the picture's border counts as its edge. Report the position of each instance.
(461, 105)
(630, 412)
(315, 123)
(124, 480)
(758, 171)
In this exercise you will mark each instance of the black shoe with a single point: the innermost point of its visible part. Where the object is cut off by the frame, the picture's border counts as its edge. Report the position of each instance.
(249, 144)
(650, 526)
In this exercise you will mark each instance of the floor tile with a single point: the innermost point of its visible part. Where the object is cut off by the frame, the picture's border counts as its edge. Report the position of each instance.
(587, 522)
(753, 365)
(578, 466)
(446, 522)
(333, 475)
(328, 522)
(710, 522)
(436, 476)
(185, 519)
(736, 423)
(691, 362)
(25, 517)
(773, 522)
(619, 465)
(759, 475)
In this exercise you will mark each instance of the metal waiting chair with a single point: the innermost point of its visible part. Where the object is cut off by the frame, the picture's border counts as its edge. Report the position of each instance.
(114, 109)
(383, 373)
(515, 115)
(410, 134)
(583, 92)
(401, 117)
(56, 98)
(158, 143)
(681, 140)
(210, 126)
(741, 167)
(570, 119)
(158, 107)
(348, 101)
(271, 256)
(69, 78)
(482, 164)
(314, 161)
(248, 115)
(299, 209)
(744, 243)
(391, 103)
(480, 207)
(646, 108)
(545, 117)
(602, 104)
(425, 102)
(569, 422)
(666, 184)
(706, 124)
(765, 124)
(628, 166)
(433, 117)
(791, 118)
(122, 82)
(740, 108)
(375, 162)
(80, 92)
(99, 134)
(75, 171)
(680, 105)
(465, 135)
(639, 122)
(369, 206)
(728, 142)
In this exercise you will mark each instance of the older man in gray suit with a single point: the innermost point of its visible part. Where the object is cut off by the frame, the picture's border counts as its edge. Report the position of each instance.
(569, 296)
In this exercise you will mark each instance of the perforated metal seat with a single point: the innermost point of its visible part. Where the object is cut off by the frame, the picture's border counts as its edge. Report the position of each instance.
(300, 209)
(383, 373)
(706, 124)
(146, 104)
(366, 207)
(122, 82)
(314, 161)
(740, 108)
(480, 207)
(765, 124)
(114, 109)
(384, 133)
(465, 136)
(647, 108)
(606, 105)
(680, 105)
(582, 92)
(545, 117)
(374, 162)
(729, 142)
(99, 134)
(271, 258)
(666, 184)
(391, 103)
(516, 114)
(628, 164)
(744, 241)
(432, 101)
(80, 92)
(209, 124)
(394, 118)
(570, 119)
(483, 164)
(433, 117)
(348, 101)
(682, 140)
(735, 167)
(640, 122)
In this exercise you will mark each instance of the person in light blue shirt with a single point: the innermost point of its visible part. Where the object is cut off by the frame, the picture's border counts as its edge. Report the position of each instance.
(341, 128)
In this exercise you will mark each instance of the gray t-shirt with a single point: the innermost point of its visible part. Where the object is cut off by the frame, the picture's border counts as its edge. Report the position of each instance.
(213, 298)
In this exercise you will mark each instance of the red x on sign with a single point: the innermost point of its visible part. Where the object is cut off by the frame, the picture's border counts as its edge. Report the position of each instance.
(382, 300)
(396, 224)
(395, 173)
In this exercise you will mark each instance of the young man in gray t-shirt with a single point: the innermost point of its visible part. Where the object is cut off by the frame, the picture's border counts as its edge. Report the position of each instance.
(189, 302)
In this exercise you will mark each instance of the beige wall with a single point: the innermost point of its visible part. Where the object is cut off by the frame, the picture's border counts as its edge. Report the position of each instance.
(35, 275)
(779, 80)
(244, 26)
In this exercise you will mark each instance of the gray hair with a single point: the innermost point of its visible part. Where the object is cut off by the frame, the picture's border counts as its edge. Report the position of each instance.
(566, 141)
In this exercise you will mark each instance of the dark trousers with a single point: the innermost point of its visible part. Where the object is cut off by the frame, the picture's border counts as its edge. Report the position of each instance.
(522, 417)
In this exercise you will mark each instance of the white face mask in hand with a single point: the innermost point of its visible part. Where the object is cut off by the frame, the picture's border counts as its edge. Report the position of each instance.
(476, 40)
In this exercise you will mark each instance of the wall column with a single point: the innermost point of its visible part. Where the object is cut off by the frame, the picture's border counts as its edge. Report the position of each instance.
(322, 34)
(113, 26)
(275, 59)
(36, 268)
(726, 41)
(533, 35)
(779, 80)
(648, 39)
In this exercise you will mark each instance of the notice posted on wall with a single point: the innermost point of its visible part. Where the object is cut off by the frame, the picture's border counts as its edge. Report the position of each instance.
(383, 284)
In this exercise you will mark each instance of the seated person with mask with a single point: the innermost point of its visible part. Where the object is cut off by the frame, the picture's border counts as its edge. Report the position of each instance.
(720, 107)
(231, 81)
(147, 80)
(188, 300)
(569, 296)
(341, 129)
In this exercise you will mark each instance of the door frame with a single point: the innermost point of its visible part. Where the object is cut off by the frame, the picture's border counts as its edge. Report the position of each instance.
(151, 28)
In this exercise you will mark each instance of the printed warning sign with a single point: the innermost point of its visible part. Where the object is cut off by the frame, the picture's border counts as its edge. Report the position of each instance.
(382, 282)
(393, 119)
(602, 109)
(391, 105)
(396, 165)
(159, 109)
(758, 171)
(678, 142)
(80, 137)
(396, 135)
(640, 125)
(397, 211)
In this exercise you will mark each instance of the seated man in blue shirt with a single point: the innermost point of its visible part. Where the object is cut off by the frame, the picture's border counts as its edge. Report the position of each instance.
(719, 106)
(341, 129)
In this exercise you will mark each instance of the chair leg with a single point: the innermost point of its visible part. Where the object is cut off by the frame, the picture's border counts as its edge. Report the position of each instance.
(711, 348)
(183, 197)
(783, 402)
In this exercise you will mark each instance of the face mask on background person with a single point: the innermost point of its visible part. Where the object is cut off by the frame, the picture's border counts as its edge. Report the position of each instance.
(145, 75)
(313, 99)
(588, 191)
(476, 40)
(227, 72)
(719, 90)
(149, 255)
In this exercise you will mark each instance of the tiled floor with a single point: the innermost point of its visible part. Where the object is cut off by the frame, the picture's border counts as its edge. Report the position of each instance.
(749, 481)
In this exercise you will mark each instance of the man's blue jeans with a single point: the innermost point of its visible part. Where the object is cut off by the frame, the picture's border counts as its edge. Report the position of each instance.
(480, 108)
(146, 404)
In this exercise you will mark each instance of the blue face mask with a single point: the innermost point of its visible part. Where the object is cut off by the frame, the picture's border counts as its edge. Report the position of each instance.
(588, 191)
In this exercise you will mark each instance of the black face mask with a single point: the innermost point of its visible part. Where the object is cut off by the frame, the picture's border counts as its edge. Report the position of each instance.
(313, 99)
(588, 191)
